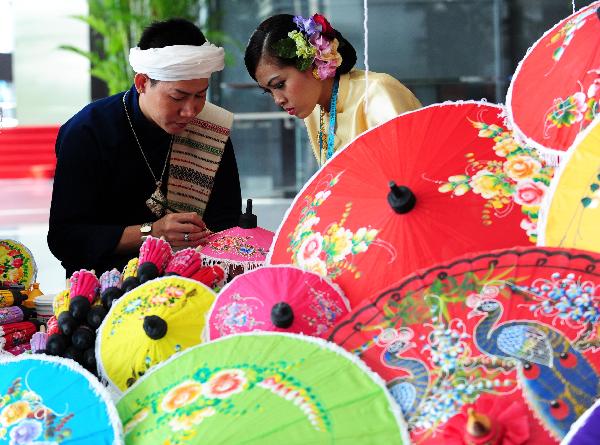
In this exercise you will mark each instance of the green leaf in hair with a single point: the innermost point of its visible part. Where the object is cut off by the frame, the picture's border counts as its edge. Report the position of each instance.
(285, 48)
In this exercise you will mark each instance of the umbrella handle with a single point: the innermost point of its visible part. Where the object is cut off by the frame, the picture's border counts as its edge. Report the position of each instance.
(401, 198)
(282, 315)
(155, 327)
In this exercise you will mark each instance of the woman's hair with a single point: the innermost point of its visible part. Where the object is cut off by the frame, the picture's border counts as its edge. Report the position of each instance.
(171, 32)
(276, 28)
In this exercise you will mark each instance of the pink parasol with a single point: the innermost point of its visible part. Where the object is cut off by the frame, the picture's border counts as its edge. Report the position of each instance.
(277, 298)
(240, 248)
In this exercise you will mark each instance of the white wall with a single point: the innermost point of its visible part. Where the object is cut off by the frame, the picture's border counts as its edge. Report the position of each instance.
(51, 84)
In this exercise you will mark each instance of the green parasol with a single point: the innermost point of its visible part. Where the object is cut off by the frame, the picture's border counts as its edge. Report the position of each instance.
(261, 388)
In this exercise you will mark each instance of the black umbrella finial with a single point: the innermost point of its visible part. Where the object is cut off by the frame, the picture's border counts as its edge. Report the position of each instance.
(282, 315)
(155, 327)
(248, 220)
(401, 198)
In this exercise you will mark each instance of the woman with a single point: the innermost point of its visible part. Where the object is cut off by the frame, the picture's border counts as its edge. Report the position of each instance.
(303, 63)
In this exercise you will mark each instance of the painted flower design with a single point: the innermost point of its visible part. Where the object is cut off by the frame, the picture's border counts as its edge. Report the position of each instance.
(529, 193)
(592, 198)
(14, 412)
(505, 146)
(486, 184)
(24, 418)
(317, 266)
(321, 196)
(310, 249)
(529, 226)
(186, 422)
(181, 395)
(159, 299)
(566, 298)
(25, 432)
(521, 177)
(340, 243)
(328, 253)
(174, 291)
(14, 275)
(225, 383)
(135, 420)
(15, 263)
(521, 167)
(581, 107)
(133, 305)
(241, 245)
(362, 238)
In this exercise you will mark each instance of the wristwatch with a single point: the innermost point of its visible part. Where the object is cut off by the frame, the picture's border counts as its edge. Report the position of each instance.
(146, 228)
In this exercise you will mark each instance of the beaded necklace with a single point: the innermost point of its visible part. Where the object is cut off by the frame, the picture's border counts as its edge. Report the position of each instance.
(332, 116)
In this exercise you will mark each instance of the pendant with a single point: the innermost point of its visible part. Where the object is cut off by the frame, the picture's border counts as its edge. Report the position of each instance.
(156, 202)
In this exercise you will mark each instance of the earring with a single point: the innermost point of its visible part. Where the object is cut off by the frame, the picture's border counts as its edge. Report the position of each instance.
(315, 73)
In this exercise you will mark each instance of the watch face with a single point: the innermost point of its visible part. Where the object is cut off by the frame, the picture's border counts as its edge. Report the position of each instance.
(146, 228)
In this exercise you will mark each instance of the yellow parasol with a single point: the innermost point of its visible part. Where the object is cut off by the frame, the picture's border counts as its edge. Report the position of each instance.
(570, 214)
(148, 325)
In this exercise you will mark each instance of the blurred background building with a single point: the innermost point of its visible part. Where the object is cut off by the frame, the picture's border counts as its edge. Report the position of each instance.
(441, 49)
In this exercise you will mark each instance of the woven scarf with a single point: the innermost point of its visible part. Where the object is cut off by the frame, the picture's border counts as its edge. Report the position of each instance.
(195, 158)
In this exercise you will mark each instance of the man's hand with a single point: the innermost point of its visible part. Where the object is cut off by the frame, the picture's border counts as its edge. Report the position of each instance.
(181, 229)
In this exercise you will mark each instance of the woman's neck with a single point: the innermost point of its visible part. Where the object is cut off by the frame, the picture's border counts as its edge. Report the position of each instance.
(326, 91)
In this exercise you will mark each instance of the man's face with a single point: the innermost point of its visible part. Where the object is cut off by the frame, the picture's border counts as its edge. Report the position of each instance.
(172, 104)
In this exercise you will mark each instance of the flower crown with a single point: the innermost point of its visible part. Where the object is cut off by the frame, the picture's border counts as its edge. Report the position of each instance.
(314, 44)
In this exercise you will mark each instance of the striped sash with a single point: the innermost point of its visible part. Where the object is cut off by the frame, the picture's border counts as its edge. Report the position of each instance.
(195, 158)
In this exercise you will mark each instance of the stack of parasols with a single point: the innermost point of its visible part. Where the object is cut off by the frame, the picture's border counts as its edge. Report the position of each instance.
(80, 310)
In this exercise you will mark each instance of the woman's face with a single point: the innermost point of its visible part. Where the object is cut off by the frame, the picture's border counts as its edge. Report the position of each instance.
(297, 92)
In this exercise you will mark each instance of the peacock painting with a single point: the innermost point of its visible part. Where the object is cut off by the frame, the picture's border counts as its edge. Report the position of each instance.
(559, 382)
(509, 337)
(407, 390)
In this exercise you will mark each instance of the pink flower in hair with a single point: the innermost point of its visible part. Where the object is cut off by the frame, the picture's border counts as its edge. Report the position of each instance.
(325, 70)
(327, 59)
(320, 42)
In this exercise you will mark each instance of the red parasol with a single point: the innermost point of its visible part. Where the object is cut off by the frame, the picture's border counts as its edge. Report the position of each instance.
(555, 91)
(464, 184)
(519, 326)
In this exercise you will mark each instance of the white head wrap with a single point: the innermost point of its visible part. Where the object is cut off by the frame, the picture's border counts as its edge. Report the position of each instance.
(178, 62)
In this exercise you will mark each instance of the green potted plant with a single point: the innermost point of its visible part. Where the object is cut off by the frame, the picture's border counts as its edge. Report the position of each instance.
(116, 26)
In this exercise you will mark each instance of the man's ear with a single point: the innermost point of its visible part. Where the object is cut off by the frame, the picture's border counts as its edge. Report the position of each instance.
(141, 82)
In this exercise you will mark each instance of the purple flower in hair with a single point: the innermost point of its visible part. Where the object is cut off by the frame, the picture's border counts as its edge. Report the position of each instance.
(307, 26)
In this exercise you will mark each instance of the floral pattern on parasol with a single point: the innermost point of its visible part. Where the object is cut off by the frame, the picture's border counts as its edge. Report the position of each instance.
(329, 253)
(522, 179)
(563, 68)
(154, 321)
(16, 263)
(34, 412)
(277, 298)
(309, 390)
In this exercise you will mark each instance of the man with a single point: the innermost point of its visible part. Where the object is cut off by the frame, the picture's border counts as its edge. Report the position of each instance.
(154, 160)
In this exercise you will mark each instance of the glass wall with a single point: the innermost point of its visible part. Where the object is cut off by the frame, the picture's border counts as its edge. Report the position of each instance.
(442, 50)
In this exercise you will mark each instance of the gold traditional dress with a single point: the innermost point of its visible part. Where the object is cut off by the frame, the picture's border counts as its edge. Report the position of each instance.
(387, 98)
